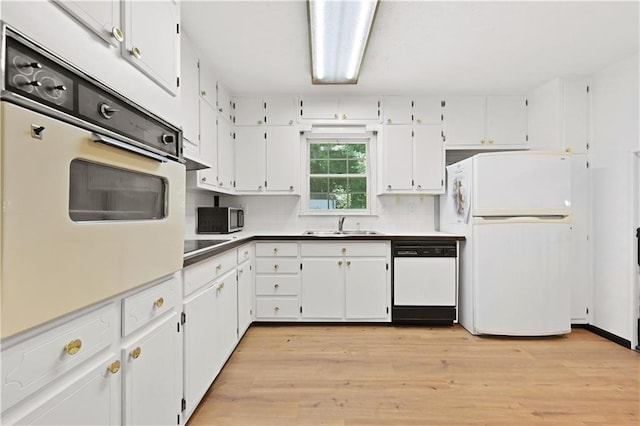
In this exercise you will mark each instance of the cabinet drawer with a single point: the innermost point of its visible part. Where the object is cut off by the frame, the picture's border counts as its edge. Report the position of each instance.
(277, 285)
(143, 307)
(195, 276)
(277, 249)
(34, 363)
(272, 307)
(277, 266)
(245, 253)
(373, 249)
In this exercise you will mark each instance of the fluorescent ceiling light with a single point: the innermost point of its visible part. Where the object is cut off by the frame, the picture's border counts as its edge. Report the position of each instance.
(339, 34)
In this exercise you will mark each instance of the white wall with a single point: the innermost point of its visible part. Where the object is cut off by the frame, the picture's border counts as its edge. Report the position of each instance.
(615, 137)
(49, 26)
(395, 214)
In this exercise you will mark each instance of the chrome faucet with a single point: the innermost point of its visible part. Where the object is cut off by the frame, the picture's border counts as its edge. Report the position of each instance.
(341, 223)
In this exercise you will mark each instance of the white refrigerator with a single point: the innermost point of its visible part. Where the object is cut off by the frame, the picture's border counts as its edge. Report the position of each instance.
(514, 208)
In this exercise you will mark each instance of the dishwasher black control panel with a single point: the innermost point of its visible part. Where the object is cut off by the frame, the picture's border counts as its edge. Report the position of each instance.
(413, 249)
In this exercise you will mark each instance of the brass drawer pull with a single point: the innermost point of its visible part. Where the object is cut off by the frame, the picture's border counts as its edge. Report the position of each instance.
(114, 367)
(136, 353)
(158, 303)
(276, 309)
(73, 347)
(276, 286)
(276, 266)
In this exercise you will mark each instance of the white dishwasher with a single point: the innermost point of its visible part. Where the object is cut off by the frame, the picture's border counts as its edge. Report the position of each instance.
(425, 277)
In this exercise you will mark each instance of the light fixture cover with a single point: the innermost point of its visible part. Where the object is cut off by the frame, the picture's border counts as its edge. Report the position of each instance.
(339, 34)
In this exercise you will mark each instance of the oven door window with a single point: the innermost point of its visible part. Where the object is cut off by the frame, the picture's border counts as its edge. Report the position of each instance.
(98, 192)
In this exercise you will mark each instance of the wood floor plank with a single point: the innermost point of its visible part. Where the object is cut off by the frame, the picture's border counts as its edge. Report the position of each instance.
(384, 375)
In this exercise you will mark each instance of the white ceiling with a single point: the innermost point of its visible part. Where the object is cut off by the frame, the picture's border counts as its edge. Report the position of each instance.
(417, 46)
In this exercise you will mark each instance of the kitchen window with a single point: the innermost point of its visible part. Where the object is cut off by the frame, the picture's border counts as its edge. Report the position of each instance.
(338, 175)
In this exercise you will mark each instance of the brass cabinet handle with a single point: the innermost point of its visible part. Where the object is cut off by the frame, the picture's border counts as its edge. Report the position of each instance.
(388, 187)
(490, 140)
(276, 309)
(291, 188)
(114, 367)
(335, 115)
(290, 122)
(218, 266)
(221, 286)
(276, 266)
(348, 263)
(275, 250)
(259, 121)
(276, 286)
(344, 250)
(136, 353)
(340, 263)
(136, 53)
(158, 303)
(482, 141)
(117, 34)
(419, 121)
(389, 121)
(73, 347)
(204, 93)
(344, 116)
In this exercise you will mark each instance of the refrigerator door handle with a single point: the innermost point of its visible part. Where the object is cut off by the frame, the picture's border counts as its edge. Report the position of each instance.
(638, 238)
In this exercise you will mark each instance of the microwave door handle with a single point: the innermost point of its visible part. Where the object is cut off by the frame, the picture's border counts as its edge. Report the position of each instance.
(122, 145)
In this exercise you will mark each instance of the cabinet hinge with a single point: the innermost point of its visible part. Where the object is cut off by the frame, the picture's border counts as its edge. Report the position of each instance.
(265, 119)
(412, 182)
(300, 309)
(234, 183)
(387, 309)
(441, 117)
(587, 310)
(442, 104)
(300, 103)
(412, 134)
(587, 89)
(178, 419)
(526, 138)
(183, 318)
(183, 404)
(265, 184)
(178, 28)
(412, 105)
(526, 102)
(178, 81)
(198, 64)
(265, 135)
(301, 266)
(587, 145)
(441, 182)
(387, 266)
(587, 164)
(178, 324)
(265, 105)
(412, 118)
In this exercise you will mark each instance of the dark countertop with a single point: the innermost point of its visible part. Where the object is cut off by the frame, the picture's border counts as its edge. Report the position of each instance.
(202, 249)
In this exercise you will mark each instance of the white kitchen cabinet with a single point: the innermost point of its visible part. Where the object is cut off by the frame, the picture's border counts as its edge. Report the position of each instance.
(207, 83)
(93, 398)
(491, 122)
(400, 110)
(189, 98)
(277, 283)
(250, 158)
(201, 364)
(101, 17)
(226, 155)
(339, 108)
(348, 281)
(579, 256)
(153, 374)
(226, 315)
(224, 102)
(245, 288)
(208, 178)
(413, 159)
(267, 159)
(152, 40)
(257, 111)
(427, 110)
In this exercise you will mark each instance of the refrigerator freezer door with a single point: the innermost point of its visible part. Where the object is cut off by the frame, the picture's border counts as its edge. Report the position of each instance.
(512, 184)
(520, 276)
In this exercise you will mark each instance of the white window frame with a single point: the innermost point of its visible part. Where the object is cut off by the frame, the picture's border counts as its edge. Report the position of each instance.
(370, 138)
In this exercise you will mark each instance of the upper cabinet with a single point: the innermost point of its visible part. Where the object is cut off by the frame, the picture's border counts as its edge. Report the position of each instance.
(152, 40)
(491, 122)
(400, 110)
(147, 32)
(339, 108)
(255, 111)
(189, 98)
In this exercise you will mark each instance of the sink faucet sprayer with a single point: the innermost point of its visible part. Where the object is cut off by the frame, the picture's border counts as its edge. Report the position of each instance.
(340, 223)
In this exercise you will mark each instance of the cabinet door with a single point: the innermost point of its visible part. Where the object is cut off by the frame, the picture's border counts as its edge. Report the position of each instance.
(506, 120)
(226, 315)
(101, 17)
(283, 158)
(153, 372)
(279, 111)
(189, 97)
(226, 155)
(208, 178)
(319, 108)
(225, 105)
(207, 84)
(200, 346)
(580, 277)
(464, 118)
(397, 110)
(152, 40)
(93, 399)
(428, 166)
(245, 297)
(247, 111)
(576, 116)
(250, 158)
(427, 110)
(398, 150)
(367, 288)
(359, 108)
(323, 288)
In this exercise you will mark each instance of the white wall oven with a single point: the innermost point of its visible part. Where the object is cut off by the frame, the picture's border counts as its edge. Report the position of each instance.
(93, 189)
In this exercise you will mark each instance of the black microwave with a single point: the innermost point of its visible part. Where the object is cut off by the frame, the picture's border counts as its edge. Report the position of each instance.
(220, 220)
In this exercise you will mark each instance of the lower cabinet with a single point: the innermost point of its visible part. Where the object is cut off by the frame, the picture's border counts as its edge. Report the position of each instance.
(345, 281)
(152, 375)
(245, 297)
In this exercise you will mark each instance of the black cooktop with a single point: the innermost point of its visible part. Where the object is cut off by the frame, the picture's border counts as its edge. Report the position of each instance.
(193, 245)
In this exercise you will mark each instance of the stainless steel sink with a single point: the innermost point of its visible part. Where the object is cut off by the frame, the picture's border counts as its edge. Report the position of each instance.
(329, 233)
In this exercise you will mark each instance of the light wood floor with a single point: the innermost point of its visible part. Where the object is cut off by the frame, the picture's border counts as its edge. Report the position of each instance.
(384, 375)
